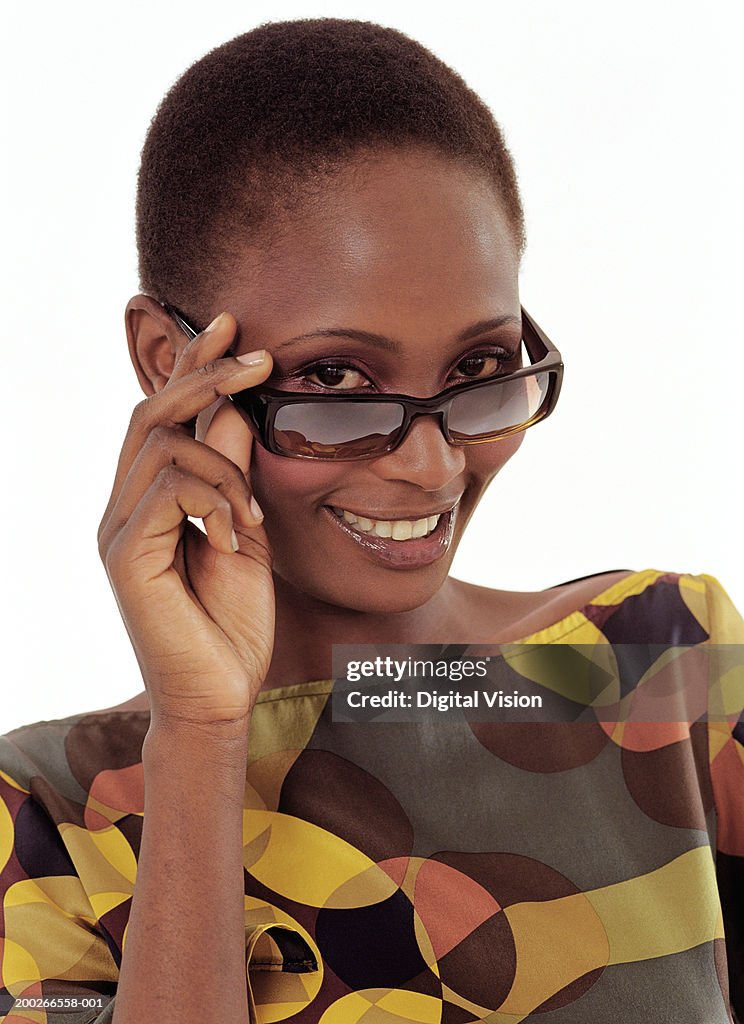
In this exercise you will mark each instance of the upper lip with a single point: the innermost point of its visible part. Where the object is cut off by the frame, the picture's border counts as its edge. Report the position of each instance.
(399, 514)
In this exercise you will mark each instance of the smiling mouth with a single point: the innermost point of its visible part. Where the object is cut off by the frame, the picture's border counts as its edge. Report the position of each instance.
(400, 548)
(393, 529)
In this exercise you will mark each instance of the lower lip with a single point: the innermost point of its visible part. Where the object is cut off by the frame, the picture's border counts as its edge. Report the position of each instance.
(402, 554)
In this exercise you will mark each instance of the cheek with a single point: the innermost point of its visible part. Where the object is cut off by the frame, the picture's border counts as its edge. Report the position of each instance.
(485, 460)
(290, 492)
(282, 486)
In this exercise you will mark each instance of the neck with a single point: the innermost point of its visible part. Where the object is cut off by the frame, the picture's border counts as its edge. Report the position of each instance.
(307, 628)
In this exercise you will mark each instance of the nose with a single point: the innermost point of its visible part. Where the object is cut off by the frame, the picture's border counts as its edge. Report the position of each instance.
(425, 457)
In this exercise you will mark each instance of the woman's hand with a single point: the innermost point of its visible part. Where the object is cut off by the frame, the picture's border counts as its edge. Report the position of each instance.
(200, 614)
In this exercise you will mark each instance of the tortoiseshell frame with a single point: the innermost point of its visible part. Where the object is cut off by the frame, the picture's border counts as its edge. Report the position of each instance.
(261, 404)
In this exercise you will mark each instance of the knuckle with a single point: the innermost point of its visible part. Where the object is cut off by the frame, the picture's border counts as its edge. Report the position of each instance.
(209, 369)
(220, 505)
(187, 359)
(169, 477)
(108, 534)
(112, 557)
(229, 476)
(103, 536)
(141, 414)
(161, 438)
(221, 502)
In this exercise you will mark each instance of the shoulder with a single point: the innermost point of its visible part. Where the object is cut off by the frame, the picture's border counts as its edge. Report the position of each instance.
(653, 606)
(501, 616)
(724, 621)
(665, 606)
(58, 760)
(626, 606)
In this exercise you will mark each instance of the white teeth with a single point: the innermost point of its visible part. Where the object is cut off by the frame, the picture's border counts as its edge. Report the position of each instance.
(401, 529)
(420, 528)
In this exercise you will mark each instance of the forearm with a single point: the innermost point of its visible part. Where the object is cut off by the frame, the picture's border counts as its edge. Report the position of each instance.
(184, 953)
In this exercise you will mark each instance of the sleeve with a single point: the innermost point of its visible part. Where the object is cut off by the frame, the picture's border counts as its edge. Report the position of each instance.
(726, 756)
(280, 948)
(51, 949)
(55, 944)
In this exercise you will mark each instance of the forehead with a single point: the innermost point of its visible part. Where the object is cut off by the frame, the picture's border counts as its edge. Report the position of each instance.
(396, 242)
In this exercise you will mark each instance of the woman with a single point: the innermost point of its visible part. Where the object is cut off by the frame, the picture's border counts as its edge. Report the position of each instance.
(326, 211)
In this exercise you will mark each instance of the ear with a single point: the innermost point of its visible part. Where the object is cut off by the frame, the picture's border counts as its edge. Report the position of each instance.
(155, 342)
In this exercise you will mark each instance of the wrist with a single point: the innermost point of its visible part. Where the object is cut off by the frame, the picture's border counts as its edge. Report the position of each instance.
(177, 726)
(176, 743)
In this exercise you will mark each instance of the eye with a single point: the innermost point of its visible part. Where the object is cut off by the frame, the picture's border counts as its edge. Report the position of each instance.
(484, 364)
(338, 376)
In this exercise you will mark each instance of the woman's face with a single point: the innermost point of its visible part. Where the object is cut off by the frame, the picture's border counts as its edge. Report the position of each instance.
(415, 249)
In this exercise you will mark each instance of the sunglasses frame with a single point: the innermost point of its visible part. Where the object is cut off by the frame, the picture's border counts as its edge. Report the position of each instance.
(261, 404)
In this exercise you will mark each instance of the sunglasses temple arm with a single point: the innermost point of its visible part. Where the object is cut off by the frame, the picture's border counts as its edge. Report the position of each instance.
(188, 330)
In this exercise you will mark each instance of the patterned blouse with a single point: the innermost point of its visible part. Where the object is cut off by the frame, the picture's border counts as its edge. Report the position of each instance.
(566, 873)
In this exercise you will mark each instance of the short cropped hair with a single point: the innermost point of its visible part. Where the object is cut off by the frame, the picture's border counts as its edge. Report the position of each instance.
(247, 131)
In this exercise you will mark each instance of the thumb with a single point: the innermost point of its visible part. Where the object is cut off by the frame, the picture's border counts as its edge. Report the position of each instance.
(204, 418)
(225, 430)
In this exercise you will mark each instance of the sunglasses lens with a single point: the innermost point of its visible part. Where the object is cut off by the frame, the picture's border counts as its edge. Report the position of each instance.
(486, 411)
(362, 429)
(329, 430)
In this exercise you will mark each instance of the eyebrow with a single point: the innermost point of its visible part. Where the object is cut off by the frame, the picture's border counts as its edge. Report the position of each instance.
(389, 344)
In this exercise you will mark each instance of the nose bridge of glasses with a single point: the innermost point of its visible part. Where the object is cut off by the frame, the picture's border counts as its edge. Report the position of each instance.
(416, 414)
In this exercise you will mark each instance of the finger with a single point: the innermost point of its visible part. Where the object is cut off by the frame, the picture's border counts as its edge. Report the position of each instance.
(205, 417)
(208, 345)
(150, 536)
(184, 398)
(182, 401)
(211, 343)
(229, 434)
(163, 448)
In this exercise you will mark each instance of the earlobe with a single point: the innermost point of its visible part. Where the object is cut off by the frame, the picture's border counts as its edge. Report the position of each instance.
(154, 341)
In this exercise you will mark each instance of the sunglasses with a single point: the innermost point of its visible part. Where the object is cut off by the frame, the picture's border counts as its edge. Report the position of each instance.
(340, 428)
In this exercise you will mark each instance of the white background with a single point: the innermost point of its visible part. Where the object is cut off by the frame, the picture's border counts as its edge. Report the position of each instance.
(624, 121)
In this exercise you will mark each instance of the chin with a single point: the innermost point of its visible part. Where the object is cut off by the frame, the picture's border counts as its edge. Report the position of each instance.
(390, 593)
(398, 600)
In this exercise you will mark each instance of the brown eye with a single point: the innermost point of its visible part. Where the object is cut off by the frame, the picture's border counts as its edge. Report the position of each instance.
(475, 365)
(331, 375)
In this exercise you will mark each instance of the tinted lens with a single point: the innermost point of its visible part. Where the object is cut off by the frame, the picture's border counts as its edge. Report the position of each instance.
(336, 430)
(486, 411)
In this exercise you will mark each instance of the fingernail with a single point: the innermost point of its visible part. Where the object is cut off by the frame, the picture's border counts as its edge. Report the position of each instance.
(252, 358)
(256, 509)
(234, 541)
(214, 324)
